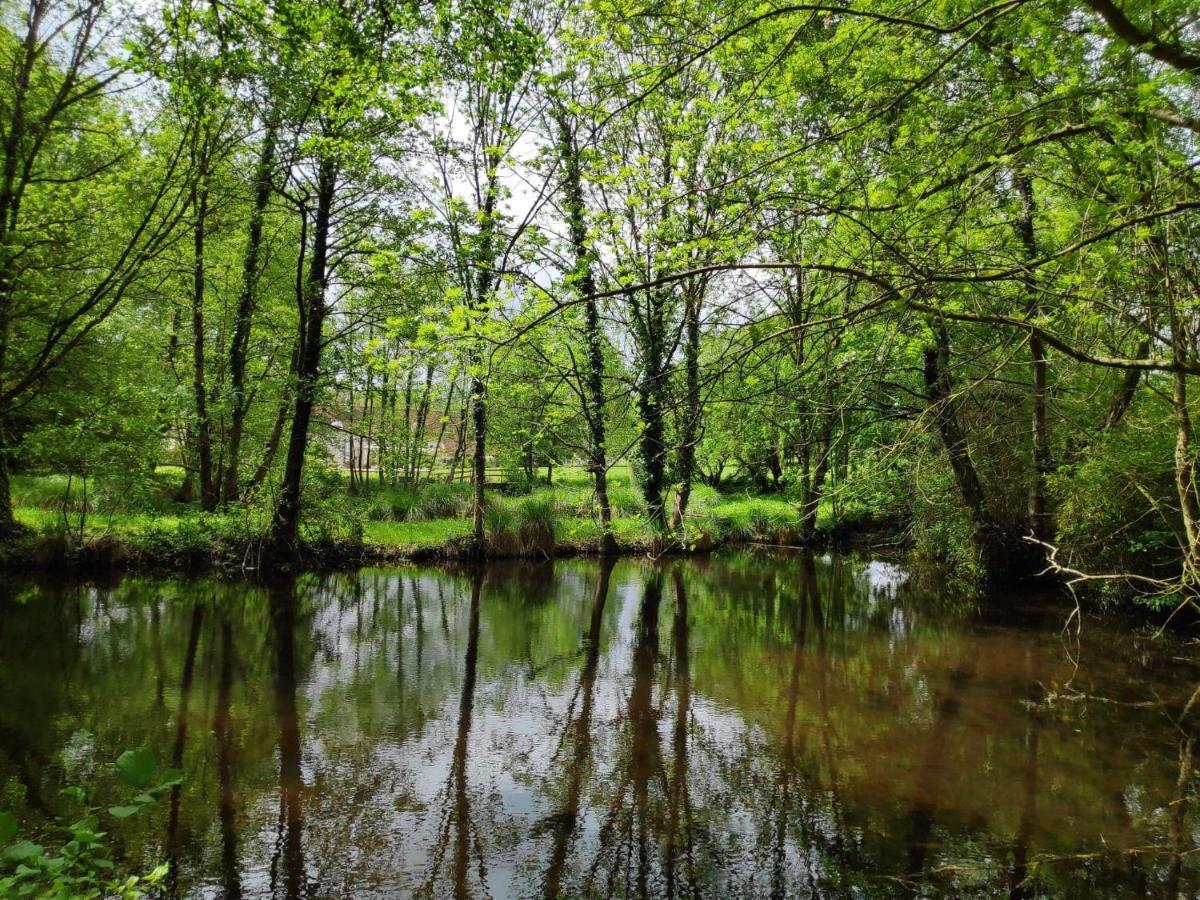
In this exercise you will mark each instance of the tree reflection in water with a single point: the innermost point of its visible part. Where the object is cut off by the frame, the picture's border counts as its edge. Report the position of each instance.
(290, 840)
(741, 726)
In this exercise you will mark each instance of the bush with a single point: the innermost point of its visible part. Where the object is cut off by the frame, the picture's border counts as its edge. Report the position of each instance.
(942, 530)
(1117, 506)
(520, 526)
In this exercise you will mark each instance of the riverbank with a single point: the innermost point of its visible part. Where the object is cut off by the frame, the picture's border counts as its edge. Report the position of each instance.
(213, 542)
(66, 527)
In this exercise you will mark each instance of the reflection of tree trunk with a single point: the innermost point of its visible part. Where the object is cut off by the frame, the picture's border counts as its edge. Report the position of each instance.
(291, 783)
(28, 762)
(788, 763)
(160, 680)
(646, 757)
(679, 810)
(185, 690)
(458, 769)
(927, 791)
(223, 730)
(1180, 837)
(1018, 889)
(567, 819)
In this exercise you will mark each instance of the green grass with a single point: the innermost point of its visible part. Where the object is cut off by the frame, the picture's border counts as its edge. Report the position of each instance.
(414, 537)
(399, 520)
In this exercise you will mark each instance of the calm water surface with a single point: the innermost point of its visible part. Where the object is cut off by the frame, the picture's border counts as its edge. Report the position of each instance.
(737, 727)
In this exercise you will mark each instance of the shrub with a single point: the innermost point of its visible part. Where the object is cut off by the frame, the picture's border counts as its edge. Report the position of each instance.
(1117, 505)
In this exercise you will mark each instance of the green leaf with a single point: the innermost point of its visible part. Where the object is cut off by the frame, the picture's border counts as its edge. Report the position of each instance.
(8, 826)
(22, 850)
(136, 767)
(122, 812)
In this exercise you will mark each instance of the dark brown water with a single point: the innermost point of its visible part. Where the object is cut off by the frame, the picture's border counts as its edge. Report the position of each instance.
(757, 727)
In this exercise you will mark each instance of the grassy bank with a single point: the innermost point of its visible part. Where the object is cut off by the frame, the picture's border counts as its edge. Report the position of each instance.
(68, 522)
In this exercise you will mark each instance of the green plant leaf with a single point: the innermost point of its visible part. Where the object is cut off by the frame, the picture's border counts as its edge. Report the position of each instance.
(8, 826)
(122, 812)
(22, 850)
(136, 767)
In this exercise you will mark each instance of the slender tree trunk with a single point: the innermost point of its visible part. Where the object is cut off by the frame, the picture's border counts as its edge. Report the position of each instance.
(1123, 398)
(651, 404)
(813, 489)
(437, 448)
(460, 449)
(239, 343)
(365, 446)
(1185, 456)
(691, 405)
(287, 514)
(24, 63)
(1039, 518)
(408, 436)
(484, 282)
(272, 447)
(479, 456)
(593, 381)
(422, 417)
(943, 406)
(208, 486)
(8, 522)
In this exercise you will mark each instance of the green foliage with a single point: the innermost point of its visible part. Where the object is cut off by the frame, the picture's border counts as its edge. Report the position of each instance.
(76, 860)
(1116, 504)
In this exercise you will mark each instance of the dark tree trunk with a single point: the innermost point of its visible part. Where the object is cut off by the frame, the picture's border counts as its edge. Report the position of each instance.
(1039, 518)
(651, 403)
(247, 302)
(422, 417)
(272, 447)
(1123, 398)
(437, 448)
(408, 435)
(8, 522)
(285, 529)
(691, 405)
(290, 845)
(593, 380)
(943, 405)
(813, 482)
(203, 436)
(479, 455)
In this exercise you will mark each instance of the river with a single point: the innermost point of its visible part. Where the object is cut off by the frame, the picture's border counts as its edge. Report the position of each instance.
(740, 726)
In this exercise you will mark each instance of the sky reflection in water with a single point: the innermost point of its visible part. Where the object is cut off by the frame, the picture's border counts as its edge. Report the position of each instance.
(741, 726)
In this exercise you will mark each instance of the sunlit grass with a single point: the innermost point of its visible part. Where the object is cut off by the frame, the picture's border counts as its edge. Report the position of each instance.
(404, 519)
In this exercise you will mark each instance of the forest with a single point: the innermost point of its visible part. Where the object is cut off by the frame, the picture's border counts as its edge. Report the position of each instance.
(286, 280)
